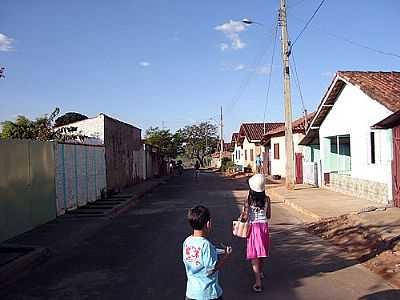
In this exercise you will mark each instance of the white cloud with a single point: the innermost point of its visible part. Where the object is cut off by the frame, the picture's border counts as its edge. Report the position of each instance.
(231, 30)
(144, 64)
(239, 67)
(223, 46)
(5, 43)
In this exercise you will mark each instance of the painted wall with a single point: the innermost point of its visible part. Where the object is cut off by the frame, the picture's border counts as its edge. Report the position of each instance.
(80, 175)
(238, 155)
(27, 186)
(124, 154)
(354, 113)
(278, 166)
(257, 150)
(93, 128)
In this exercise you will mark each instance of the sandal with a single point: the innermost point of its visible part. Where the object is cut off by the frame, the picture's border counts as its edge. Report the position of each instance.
(257, 288)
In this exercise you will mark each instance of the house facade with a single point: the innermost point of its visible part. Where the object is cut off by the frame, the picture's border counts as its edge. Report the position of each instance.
(354, 157)
(274, 143)
(249, 142)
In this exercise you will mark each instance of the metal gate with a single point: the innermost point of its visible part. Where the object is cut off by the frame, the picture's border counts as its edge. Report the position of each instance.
(299, 168)
(396, 166)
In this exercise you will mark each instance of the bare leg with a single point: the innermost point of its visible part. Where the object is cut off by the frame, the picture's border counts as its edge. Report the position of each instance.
(255, 263)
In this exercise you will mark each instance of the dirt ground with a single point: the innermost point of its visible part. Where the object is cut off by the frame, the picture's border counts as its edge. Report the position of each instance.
(362, 244)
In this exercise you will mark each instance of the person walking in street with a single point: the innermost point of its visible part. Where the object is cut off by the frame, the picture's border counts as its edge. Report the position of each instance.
(200, 258)
(257, 211)
(259, 164)
(197, 169)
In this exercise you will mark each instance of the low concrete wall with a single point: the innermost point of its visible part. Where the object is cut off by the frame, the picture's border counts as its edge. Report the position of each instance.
(360, 188)
(27, 187)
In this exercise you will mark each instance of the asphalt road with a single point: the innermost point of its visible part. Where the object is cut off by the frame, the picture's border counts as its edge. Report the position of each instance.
(138, 255)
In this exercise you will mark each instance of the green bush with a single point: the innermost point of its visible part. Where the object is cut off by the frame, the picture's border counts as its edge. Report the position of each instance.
(226, 164)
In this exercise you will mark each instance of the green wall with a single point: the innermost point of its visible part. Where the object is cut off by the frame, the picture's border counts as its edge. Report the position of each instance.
(27, 186)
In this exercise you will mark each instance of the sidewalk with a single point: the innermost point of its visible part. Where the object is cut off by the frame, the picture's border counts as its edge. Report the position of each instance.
(23, 252)
(366, 230)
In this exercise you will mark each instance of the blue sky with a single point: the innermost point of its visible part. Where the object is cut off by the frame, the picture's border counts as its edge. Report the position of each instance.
(172, 63)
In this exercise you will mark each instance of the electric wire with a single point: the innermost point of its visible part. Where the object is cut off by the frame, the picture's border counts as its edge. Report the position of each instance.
(297, 81)
(270, 74)
(307, 23)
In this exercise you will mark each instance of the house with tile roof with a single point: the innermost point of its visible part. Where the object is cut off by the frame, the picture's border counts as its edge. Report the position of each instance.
(248, 143)
(275, 154)
(352, 152)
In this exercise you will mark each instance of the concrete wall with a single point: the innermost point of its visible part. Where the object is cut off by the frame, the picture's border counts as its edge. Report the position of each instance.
(27, 186)
(80, 175)
(151, 162)
(124, 154)
(278, 166)
(354, 113)
(93, 128)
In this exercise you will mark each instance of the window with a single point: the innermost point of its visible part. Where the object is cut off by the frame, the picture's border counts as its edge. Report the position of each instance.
(276, 151)
(245, 154)
(251, 155)
(372, 136)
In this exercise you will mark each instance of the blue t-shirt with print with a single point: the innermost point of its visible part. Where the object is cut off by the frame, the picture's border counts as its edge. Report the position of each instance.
(199, 257)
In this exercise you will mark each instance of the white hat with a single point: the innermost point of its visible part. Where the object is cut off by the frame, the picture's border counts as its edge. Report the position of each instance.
(257, 183)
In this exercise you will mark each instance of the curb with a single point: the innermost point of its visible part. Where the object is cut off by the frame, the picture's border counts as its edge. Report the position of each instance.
(22, 265)
(293, 205)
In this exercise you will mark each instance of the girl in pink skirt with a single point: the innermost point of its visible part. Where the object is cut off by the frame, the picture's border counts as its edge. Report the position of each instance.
(257, 211)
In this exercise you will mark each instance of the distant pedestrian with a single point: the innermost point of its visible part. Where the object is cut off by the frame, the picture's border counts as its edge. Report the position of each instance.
(197, 169)
(200, 258)
(171, 168)
(257, 211)
(259, 164)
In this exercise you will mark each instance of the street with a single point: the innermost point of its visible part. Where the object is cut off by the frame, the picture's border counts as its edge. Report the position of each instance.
(138, 255)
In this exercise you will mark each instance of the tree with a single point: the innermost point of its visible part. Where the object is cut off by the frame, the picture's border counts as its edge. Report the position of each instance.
(41, 129)
(168, 143)
(68, 118)
(199, 140)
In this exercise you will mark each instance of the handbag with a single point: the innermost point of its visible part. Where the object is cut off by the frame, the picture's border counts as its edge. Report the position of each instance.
(240, 229)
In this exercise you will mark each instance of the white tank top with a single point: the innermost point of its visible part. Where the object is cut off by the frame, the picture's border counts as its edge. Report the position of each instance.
(257, 215)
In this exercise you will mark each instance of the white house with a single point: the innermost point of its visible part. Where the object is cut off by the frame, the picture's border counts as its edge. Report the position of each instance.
(274, 142)
(237, 154)
(354, 157)
(248, 143)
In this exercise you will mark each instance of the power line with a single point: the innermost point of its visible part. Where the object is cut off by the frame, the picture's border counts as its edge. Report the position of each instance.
(247, 79)
(308, 23)
(270, 74)
(297, 81)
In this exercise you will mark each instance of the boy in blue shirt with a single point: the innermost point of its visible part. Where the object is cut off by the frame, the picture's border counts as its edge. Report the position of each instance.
(201, 259)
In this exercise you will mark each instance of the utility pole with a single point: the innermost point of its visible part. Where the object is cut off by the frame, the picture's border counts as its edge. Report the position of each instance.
(222, 138)
(287, 96)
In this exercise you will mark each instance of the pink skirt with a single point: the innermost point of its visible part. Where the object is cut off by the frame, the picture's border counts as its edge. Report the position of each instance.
(258, 241)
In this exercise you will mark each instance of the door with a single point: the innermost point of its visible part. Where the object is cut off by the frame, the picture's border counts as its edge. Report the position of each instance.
(266, 163)
(396, 166)
(299, 168)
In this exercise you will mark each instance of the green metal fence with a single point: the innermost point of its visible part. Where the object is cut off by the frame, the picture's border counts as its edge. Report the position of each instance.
(27, 186)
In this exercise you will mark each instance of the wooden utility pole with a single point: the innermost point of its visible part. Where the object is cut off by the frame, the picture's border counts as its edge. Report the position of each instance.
(222, 138)
(287, 96)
